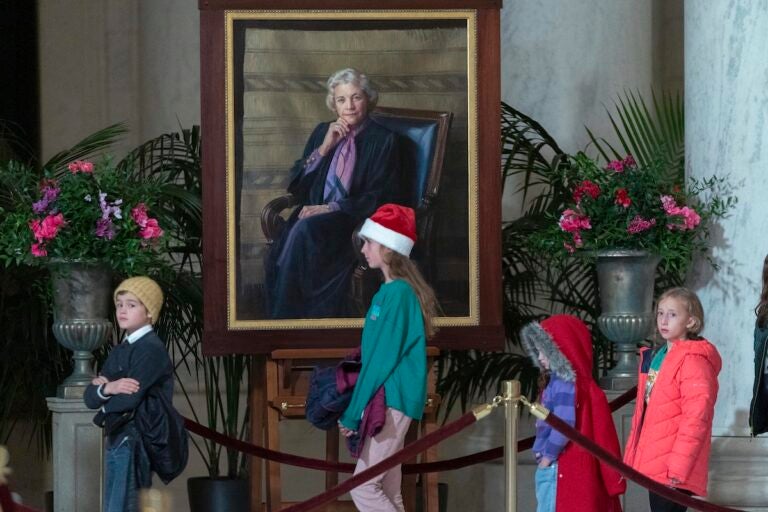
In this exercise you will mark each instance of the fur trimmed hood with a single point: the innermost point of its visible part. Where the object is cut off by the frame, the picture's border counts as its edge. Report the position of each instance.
(565, 341)
(584, 484)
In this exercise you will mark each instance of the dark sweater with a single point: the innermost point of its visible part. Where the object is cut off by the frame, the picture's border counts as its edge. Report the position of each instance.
(758, 409)
(145, 360)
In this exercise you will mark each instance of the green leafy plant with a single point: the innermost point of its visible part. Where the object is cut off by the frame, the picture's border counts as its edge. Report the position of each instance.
(625, 205)
(92, 212)
(649, 133)
(538, 283)
(172, 164)
(33, 363)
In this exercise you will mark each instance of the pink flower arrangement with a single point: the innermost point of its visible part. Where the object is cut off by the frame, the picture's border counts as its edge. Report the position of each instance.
(80, 166)
(43, 231)
(690, 219)
(622, 198)
(150, 229)
(621, 165)
(79, 215)
(622, 205)
(586, 188)
(639, 224)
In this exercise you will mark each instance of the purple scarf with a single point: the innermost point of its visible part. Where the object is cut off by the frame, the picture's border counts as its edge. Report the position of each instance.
(343, 162)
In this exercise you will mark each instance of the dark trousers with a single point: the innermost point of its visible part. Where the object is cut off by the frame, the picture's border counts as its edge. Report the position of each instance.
(662, 504)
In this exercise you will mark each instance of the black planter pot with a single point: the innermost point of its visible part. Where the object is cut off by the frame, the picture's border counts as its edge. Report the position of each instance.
(442, 497)
(218, 494)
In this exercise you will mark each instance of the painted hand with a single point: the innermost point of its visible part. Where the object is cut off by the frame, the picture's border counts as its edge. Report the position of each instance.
(313, 209)
(336, 131)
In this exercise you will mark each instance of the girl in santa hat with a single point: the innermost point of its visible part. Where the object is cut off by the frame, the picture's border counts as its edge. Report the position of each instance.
(393, 352)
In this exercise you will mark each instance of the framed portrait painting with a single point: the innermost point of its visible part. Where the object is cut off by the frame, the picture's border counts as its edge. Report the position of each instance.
(427, 137)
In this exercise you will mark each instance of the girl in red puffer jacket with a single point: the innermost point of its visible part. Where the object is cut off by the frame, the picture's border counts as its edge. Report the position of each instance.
(676, 392)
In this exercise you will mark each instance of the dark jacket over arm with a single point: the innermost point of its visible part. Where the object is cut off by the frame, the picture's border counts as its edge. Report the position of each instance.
(758, 409)
(146, 360)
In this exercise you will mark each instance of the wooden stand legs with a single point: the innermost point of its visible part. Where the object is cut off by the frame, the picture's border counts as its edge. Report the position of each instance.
(278, 389)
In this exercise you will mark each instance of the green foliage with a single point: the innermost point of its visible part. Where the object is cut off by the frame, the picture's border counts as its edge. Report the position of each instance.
(79, 215)
(649, 134)
(625, 205)
(171, 164)
(33, 363)
(538, 277)
(167, 169)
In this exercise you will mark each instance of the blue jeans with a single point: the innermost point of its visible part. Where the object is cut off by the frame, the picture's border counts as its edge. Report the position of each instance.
(546, 488)
(120, 491)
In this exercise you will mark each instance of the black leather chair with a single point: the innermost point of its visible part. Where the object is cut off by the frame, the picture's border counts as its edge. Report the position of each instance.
(423, 138)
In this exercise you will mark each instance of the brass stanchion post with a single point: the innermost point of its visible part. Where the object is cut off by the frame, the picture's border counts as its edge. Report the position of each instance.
(511, 395)
(154, 500)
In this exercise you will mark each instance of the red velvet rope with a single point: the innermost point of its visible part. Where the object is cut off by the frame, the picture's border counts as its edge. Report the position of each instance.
(266, 453)
(406, 453)
(342, 467)
(8, 505)
(630, 473)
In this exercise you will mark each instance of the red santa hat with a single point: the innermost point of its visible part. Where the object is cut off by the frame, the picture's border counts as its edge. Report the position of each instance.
(392, 226)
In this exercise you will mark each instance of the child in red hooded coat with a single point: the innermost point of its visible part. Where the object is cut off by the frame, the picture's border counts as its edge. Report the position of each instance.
(568, 478)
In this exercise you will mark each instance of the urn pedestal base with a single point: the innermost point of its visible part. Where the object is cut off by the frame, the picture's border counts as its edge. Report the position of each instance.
(77, 456)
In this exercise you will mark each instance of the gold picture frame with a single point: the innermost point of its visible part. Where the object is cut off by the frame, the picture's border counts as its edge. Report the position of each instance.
(274, 64)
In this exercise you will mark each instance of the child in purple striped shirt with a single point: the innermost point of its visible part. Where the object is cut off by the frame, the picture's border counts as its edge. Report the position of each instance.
(569, 479)
(558, 396)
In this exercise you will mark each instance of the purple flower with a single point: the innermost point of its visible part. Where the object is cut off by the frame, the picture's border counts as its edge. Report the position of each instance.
(50, 194)
(105, 229)
(108, 209)
(40, 206)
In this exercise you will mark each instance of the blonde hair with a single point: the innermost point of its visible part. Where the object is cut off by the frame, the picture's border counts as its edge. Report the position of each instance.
(692, 304)
(402, 267)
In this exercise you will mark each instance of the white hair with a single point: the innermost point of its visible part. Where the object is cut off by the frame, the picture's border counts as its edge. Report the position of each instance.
(351, 76)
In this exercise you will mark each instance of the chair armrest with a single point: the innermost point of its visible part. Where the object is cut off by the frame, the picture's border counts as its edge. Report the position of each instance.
(271, 221)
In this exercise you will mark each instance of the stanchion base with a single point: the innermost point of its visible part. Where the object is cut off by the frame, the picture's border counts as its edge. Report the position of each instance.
(617, 383)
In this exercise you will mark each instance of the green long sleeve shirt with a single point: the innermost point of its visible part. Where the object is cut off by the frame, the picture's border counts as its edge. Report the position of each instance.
(394, 354)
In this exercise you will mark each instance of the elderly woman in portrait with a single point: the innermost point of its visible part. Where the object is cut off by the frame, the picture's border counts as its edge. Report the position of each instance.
(349, 167)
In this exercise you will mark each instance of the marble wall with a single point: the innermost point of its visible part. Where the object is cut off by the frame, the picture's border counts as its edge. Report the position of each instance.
(726, 75)
(726, 102)
(108, 61)
(565, 63)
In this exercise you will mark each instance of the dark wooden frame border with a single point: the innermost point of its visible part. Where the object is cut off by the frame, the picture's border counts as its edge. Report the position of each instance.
(218, 338)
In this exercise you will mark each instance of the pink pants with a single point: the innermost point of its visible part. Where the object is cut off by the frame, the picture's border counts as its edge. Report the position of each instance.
(382, 493)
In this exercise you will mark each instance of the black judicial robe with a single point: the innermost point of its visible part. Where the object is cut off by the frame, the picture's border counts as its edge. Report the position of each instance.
(309, 269)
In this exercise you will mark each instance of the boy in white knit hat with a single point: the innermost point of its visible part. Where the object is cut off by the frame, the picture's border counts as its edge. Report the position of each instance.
(133, 367)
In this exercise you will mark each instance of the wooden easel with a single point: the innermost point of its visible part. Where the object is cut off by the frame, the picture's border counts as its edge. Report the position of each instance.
(278, 391)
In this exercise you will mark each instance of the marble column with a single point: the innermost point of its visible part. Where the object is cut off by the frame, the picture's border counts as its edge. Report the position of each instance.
(726, 128)
(77, 457)
(110, 61)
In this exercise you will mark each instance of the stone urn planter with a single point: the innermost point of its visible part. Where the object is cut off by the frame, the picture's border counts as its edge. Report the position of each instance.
(81, 308)
(625, 279)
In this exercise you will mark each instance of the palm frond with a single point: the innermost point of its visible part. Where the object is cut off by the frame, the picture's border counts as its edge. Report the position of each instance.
(647, 133)
(93, 145)
(528, 150)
